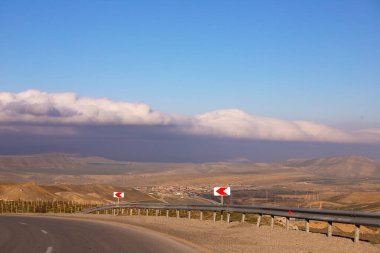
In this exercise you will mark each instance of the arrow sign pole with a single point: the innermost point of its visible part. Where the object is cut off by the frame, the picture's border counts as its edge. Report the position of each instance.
(118, 195)
(222, 191)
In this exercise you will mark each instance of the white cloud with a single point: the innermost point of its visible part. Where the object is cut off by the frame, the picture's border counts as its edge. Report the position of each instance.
(67, 109)
(34, 106)
(238, 124)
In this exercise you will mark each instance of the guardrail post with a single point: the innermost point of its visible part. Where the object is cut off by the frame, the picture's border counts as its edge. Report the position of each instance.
(329, 229)
(287, 223)
(221, 215)
(271, 222)
(259, 220)
(357, 233)
(158, 209)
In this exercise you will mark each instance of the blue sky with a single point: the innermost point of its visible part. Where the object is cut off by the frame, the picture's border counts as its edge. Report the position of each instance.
(310, 60)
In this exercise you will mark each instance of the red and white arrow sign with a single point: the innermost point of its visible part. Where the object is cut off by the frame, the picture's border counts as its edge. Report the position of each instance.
(222, 191)
(118, 195)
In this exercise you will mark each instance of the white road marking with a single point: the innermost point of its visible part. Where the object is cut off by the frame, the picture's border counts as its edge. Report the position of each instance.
(49, 250)
(44, 231)
(22, 223)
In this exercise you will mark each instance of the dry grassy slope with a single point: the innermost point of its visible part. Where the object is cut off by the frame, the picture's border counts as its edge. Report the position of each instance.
(360, 197)
(27, 191)
(339, 167)
(77, 193)
(96, 192)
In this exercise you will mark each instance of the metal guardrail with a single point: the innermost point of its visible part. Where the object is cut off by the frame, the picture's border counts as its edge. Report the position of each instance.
(330, 216)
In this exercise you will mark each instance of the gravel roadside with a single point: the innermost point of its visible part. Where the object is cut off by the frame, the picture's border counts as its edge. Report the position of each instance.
(208, 236)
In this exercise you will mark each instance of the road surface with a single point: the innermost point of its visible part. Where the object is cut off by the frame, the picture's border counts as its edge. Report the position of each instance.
(53, 235)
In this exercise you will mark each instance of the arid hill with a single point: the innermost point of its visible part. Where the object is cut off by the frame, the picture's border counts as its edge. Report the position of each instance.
(91, 193)
(347, 182)
(60, 168)
(26, 191)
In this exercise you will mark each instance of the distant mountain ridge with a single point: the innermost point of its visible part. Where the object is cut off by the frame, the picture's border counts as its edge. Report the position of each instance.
(339, 167)
(49, 160)
(35, 167)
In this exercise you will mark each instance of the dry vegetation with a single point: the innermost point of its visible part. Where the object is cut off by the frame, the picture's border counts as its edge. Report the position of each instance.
(90, 193)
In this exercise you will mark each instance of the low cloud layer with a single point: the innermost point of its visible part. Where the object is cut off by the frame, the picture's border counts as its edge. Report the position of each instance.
(47, 112)
(238, 124)
(33, 106)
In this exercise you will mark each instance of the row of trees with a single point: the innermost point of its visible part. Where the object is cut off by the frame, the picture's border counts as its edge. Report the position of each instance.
(42, 206)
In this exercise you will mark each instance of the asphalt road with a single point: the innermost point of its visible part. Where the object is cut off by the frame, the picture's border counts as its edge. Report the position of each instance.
(53, 235)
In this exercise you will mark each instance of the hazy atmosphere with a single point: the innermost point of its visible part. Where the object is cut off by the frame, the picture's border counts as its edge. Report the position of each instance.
(190, 126)
(194, 82)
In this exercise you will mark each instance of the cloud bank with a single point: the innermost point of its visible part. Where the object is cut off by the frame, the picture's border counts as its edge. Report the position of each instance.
(238, 124)
(33, 106)
(61, 111)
